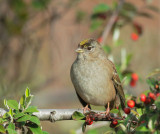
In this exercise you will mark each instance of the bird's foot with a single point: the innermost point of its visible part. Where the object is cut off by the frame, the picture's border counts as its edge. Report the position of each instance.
(108, 113)
(86, 108)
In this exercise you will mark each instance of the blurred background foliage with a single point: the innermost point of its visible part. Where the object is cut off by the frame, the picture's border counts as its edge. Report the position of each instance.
(38, 39)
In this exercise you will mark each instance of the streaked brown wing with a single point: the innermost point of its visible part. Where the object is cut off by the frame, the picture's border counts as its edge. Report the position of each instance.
(118, 86)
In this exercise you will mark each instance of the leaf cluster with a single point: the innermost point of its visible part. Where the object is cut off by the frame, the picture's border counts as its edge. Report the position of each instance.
(20, 116)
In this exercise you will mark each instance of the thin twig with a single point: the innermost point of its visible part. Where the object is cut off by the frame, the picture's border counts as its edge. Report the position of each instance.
(109, 25)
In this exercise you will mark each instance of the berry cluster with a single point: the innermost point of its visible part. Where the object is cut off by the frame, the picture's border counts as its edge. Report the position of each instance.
(134, 79)
(114, 123)
(145, 103)
(90, 118)
(89, 121)
(148, 99)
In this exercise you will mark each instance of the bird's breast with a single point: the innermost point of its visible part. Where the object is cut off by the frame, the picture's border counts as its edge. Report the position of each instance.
(92, 82)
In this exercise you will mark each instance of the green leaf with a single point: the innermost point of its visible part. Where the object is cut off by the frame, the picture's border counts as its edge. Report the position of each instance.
(157, 102)
(153, 8)
(128, 59)
(135, 113)
(118, 42)
(40, 4)
(107, 49)
(127, 119)
(93, 131)
(83, 127)
(18, 6)
(35, 120)
(155, 72)
(95, 24)
(31, 109)
(111, 132)
(120, 132)
(127, 6)
(31, 118)
(101, 8)
(22, 101)
(11, 126)
(10, 112)
(2, 129)
(150, 124)
(27, 93)
(115, 111)
(78, 116)
(28, 101)
(44, 132)
(145, 14)
(11, 129)
(139, 111)
(5, 103)
(13, 104)
(16, 116)
(6, 115)
(142, 129)
(123, 127)
(80, 16)
(24, 118)
(146, 92)
(36, 130)
(1, 121)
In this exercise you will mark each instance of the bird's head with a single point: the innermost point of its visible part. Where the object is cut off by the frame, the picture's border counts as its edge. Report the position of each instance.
(89, 48)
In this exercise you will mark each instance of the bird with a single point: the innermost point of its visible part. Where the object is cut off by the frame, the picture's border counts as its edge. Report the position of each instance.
(95, 78)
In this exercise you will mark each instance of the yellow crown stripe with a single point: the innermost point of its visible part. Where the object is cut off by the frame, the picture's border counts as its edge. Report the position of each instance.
(84, 42)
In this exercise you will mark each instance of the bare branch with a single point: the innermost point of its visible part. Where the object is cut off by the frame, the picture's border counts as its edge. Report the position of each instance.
(64, 114)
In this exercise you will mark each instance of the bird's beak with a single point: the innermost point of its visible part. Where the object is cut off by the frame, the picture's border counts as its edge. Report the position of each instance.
(79, 50)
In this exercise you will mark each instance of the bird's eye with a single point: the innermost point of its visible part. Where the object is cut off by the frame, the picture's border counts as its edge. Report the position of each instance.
(89, 48)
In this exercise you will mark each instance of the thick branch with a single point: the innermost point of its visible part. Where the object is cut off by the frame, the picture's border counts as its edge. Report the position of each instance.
(63, 114)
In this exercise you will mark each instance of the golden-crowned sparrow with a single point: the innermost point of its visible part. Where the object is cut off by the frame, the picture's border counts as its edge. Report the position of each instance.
(95, 78)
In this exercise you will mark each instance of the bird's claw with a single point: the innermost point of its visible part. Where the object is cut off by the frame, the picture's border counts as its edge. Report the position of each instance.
(86, 108)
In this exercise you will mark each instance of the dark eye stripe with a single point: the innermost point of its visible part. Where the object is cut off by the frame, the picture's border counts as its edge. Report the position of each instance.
(90, 47)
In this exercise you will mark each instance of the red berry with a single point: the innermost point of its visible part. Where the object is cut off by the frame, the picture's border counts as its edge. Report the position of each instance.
(127, 110)
(102, 16)
(156, 86)
(134, 76)
(89, 121)
(147, 101)
(134, 36)
(131, 103)
(132, 83)
(152, 96)
(115, 122)
(99, 39)
(142, 121)
(158, 94)
(112, 126)
(143, 97)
